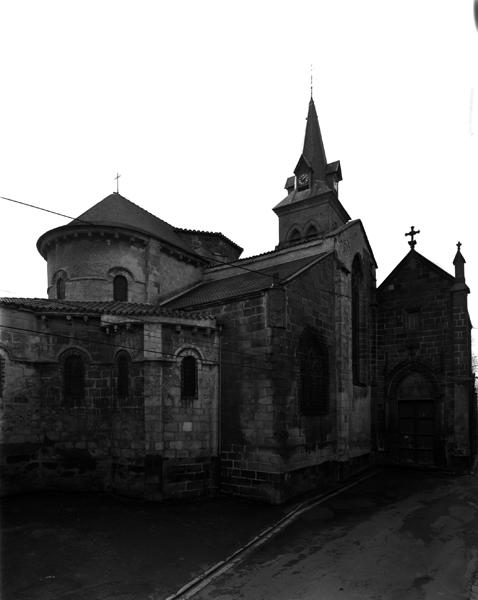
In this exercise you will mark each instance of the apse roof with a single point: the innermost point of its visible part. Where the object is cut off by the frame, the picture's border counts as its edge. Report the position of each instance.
(118, 210)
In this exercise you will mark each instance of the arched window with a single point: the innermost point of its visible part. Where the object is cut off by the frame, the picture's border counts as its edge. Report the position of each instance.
(120, 288)
(122, 371)
(311, 232)
(60, 288)
(313, 374)
(294, 236)
(356, 324)
(189, 378)
(74, 380)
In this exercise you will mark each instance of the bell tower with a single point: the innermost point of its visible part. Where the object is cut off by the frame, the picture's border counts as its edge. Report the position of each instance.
(311, 207)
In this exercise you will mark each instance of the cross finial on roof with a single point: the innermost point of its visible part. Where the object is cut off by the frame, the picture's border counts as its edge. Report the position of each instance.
(117, 182)
(412, 233)
(459, 246)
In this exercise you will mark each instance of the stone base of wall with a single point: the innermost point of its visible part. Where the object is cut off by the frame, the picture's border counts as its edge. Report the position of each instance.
(190, 477)
(28, 467)
(31, 466)
(276, 487)
(443, 461)
(461, 463)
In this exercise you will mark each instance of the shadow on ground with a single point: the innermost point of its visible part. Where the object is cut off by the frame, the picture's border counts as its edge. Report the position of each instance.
(58, 546)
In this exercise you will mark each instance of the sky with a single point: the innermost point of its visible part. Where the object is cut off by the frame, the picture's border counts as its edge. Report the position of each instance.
(200, 106)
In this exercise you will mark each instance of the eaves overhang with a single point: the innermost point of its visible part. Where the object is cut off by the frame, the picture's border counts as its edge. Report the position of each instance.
(106, 229)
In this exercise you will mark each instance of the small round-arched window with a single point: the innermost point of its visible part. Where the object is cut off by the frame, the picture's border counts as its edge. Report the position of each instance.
(122, 366)
(120, 288)
(60, 288)
(189, 378)
(74, 380)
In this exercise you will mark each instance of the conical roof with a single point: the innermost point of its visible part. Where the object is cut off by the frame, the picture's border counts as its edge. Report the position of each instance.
(313, 152)
(118, 210)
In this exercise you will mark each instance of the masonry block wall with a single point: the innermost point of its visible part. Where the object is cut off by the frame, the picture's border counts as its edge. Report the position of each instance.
(151, 269)
(423, 326)
(46, 440)
(249, 462)
(305, 439)
(182, 431)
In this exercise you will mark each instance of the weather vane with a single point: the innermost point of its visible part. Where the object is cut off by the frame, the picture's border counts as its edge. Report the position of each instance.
(117, 182)
(412, 233)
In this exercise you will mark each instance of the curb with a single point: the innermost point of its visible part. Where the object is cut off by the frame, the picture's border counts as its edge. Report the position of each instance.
(194, 586)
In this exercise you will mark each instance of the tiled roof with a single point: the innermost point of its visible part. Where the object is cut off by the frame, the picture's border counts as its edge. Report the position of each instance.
(247, 282)
(118, 210)
(216, 233)
(44, 305)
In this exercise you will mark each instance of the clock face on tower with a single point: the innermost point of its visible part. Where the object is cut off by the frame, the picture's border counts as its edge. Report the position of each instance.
(303, 180)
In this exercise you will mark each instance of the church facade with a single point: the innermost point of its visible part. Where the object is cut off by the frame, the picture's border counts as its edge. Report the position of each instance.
(163, 365)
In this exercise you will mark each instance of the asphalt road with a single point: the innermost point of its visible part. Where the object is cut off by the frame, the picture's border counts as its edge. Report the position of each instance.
(401, 535)
(404, 535)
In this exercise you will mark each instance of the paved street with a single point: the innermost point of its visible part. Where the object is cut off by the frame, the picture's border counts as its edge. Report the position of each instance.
(401, 535)
(58, 546)
(405, 535)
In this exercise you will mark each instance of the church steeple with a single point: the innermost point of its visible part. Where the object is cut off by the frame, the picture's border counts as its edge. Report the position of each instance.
(313, 155)
(312, 207)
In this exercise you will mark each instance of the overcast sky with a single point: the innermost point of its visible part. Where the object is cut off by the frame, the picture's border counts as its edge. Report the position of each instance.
(201, 106)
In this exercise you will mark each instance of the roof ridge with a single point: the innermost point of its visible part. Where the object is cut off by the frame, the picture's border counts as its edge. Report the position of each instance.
(407, 256)
(115, 194)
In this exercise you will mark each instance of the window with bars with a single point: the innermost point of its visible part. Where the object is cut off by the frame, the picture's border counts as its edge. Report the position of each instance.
(313, 375)
(74, 380)
(189, 378)
(120, 288)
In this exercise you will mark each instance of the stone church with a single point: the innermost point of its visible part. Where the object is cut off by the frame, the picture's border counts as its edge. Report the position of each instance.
(164, 365)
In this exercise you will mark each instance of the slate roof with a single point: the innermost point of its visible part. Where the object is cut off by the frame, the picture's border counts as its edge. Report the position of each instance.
(44, 305)
(248, 282)
(413, 254)
(216, 233)
(313, 152)
(118, 210)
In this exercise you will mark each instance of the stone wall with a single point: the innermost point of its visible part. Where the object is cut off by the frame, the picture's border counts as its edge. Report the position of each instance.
(88, 264)
(320, 212)
(47, 442)
(150, 443)
(181, 432)
(424, 326)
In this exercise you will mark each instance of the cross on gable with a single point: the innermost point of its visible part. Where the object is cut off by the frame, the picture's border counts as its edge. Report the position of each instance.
(412, 233)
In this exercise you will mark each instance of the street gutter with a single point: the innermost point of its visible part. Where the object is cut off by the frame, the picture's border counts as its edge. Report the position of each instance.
(194, 586)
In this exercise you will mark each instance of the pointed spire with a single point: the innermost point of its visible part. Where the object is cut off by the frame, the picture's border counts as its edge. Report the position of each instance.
(459, 263)
(314, 153)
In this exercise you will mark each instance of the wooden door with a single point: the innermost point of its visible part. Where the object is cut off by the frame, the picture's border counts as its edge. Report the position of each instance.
(416, 420)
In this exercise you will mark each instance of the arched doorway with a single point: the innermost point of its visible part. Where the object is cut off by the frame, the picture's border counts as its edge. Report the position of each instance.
(416, 419)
